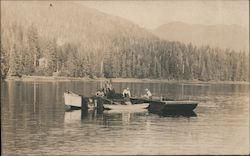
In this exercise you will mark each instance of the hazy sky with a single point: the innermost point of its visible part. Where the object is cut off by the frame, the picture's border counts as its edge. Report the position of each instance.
(151, 14)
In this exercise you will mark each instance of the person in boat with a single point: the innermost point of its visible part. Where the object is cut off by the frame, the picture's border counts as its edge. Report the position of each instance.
(126, 93)
(147, 94)
(108, 89)
(104, 89)
(109, 85)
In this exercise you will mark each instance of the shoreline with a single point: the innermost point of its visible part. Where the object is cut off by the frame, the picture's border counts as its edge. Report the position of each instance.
(145, 80)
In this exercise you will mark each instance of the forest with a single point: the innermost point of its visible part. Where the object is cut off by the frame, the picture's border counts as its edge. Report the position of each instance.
(23, 48)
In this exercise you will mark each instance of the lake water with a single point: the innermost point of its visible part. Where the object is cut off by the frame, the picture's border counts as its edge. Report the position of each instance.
(34, 121)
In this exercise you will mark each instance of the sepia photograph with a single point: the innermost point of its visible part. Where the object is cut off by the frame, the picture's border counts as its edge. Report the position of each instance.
(125, 77)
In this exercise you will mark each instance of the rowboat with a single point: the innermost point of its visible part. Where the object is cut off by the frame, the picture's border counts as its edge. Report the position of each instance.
(172, 106)
(126, 107)
(72, 99)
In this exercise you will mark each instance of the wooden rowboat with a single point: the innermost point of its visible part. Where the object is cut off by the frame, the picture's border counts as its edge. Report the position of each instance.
(172, 106)
(72, 99)
(126, 108)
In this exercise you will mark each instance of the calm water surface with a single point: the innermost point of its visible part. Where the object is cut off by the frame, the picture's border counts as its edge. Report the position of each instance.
(34, 121)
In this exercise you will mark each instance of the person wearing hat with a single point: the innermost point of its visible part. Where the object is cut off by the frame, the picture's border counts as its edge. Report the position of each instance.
(126, 93)
(108, 88)
(147, 94)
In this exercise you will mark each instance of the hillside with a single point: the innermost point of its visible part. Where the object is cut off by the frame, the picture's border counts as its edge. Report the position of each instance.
(92, 32)
(223, 36)
(69, 22)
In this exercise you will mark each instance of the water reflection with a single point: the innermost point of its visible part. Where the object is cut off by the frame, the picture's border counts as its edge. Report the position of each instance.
(187, 114)
(75, 115)
(34, 121)
(72, 116)
(93, 115)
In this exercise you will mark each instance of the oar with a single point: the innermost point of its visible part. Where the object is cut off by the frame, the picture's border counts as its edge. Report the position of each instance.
(110, 101)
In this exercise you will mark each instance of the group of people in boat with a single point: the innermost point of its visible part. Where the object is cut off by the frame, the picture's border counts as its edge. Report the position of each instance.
(147, 94)
(109, 90)
(106, 90)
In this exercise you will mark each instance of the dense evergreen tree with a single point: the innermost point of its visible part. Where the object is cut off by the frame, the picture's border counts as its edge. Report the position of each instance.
(120, 56)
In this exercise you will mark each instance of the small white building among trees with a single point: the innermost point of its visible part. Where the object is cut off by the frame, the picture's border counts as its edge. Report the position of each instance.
(43, 62)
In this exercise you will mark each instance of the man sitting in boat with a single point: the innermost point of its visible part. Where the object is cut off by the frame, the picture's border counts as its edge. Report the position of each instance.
(148, 94)
(108, 89)
(126, 93)
(105, 88)
(109, 86)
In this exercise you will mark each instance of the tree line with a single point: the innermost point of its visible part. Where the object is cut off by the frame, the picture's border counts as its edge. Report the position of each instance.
(22, 48)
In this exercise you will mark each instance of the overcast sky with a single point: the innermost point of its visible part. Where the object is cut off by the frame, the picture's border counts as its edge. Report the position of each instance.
(151, 14)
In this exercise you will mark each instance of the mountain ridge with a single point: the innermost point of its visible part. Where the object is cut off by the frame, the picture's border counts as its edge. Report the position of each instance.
(234, 36)
(72, 23)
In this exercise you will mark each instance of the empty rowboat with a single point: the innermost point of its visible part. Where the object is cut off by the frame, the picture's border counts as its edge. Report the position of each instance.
(172, 106)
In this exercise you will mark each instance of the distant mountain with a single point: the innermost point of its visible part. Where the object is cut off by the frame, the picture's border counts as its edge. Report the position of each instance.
(223, 36)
